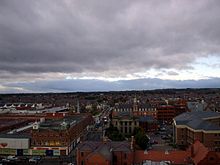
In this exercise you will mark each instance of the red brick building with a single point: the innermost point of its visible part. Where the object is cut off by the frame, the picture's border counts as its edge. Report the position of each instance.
(60, 135)
(121, 153)
(168, 112)
(105, 153)
(165, 113)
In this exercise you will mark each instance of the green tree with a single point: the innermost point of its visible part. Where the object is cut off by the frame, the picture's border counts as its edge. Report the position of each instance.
(141, 138)
(114, 134)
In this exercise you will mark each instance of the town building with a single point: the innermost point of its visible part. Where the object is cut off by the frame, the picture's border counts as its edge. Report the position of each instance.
(128, 116)
(55, 134)
(59, 136)
(166, 113)
(105, 153)
(124, 153)
(203, 126)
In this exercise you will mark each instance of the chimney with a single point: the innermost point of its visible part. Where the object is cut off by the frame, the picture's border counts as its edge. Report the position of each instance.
(132, 142)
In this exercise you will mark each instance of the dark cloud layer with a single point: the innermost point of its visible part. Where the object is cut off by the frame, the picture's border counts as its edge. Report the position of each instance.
(100, 85)
(81, 36)
(46, 40)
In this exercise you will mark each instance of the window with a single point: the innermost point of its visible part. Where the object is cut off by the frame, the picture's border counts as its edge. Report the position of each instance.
(114, 158)
(82, 154)
(126, 130)
(125, 156)
(82, 163)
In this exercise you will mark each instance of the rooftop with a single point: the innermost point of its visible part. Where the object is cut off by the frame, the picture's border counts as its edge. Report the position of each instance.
(198, 120)
(66, 122)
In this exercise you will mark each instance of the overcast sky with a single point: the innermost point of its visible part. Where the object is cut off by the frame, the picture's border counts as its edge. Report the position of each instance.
(81, 45)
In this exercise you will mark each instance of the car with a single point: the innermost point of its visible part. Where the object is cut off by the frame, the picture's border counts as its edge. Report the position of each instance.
(149, 148)
(164, 137)
(162, 129)
(35, 159)
(5, 160)
(12, 157)
(157, 133)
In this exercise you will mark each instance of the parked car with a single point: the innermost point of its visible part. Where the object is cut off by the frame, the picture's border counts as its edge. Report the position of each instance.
(12, 157)
(164, 137)
(35, 159)
(153, 142)
(157, 133)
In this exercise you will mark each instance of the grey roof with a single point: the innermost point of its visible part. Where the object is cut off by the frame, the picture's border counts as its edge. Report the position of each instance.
(147, 118)
(111, 145)
(124, 106)
(198, 120)
(105, 151)
(16, 135)
(196, 106)
(55, 124)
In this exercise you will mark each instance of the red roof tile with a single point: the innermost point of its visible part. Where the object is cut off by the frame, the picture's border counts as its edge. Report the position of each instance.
(177, 157)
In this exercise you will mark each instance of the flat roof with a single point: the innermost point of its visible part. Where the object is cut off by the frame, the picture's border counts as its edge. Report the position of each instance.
(56, 123)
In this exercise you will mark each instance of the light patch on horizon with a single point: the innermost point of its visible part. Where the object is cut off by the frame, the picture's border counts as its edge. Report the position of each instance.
(202, 68)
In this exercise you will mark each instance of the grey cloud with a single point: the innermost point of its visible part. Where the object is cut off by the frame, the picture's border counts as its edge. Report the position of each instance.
(80, 36)
(100, 85)
(172, 73)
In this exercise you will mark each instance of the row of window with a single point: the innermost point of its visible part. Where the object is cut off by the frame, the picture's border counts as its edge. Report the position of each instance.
(125, 123)
(49, 143)
(126, 130)
(130, 109)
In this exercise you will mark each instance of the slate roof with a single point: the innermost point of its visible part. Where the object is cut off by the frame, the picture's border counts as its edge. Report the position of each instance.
(16, 135)
(198, 120)
(55, 124)
(147, 118)
(110, 145)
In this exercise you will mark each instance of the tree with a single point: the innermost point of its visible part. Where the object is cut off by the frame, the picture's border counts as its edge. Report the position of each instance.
(114, 134)
(140, 138)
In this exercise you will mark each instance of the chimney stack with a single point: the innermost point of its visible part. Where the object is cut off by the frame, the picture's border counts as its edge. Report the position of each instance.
(132, 142)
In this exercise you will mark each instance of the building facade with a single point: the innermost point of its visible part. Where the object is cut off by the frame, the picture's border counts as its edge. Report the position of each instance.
(59, 136)
(124, 153)
(203, 126)
(126, 117)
